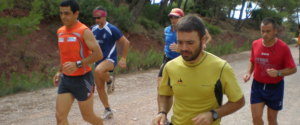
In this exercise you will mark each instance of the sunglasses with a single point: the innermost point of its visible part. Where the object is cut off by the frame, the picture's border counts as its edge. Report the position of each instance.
(174, 17)
(97, 17)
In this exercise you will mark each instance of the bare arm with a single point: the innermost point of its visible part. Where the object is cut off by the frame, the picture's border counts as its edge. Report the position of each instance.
(126, 46)
(249, 72)
(230, 107)
(288, 71)
(92, 44)
(208, 37)
(164, 102)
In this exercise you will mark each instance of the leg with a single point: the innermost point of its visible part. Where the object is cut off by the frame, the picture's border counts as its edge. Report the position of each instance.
(272, 116)
(257, 112)
(63, 105)
(101, 75)
(87, 112)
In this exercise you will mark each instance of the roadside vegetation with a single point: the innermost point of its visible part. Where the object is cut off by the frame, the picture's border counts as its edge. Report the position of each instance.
(130, 16)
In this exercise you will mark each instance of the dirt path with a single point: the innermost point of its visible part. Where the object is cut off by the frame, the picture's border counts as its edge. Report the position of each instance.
(134, 100)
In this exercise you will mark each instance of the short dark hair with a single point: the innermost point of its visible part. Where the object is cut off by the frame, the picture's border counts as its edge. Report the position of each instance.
(72, 3)
(191, 22)
(100, 8)
(269, 20)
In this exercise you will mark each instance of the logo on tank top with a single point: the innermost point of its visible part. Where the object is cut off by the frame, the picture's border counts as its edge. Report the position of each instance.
(88, 94)
(71, 39)
(265, 54)
(179, 81)
(61, 40)
(104, 35)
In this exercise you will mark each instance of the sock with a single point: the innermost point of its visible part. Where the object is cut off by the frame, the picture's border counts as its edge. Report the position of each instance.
(108, 109)
(109, 82)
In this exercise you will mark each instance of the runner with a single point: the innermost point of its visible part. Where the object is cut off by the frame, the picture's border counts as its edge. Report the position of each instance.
(298, 44)
(197, 80)
(74, 78)
(171, 50)
(106, 35)
(208, 38)
(271, 60)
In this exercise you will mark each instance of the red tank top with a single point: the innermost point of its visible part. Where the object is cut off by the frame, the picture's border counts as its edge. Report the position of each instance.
(72, 46)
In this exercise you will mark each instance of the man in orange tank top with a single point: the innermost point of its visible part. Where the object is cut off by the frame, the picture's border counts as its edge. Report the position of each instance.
(74, 78)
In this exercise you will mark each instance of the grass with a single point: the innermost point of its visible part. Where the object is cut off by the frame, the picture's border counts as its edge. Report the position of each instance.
(227, 48)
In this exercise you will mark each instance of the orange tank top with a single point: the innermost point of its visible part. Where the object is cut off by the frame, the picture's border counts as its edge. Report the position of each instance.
(72, 47)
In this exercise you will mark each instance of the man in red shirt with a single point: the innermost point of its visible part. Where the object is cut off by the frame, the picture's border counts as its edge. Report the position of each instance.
(271, 60)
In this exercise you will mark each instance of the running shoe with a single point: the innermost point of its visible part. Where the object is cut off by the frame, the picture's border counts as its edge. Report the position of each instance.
(107, 115)
(111, 87)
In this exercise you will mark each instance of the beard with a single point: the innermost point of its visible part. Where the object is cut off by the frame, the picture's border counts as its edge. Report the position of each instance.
(194, 55)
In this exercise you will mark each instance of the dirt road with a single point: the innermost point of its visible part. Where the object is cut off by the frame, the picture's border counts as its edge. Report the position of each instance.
(134, 100)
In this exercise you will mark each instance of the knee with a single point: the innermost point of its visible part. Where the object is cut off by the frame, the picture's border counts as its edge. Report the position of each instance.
(87, 117)
(60, 117)
(256, 118)
(99, 72)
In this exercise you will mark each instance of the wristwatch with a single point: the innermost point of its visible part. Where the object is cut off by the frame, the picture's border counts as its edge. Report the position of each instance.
(279, 73)
(79, 64)
(215, 115)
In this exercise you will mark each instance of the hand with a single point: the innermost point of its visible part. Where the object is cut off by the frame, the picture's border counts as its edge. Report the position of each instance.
(203, 119)
(272, 72)
(160, 119)
(69, 67)
(122, 64)
(56, 79)
(246, 77)
(174, 47)
(203, 45)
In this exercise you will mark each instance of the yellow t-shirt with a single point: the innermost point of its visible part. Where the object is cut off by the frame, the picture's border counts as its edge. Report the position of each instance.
(194, 86)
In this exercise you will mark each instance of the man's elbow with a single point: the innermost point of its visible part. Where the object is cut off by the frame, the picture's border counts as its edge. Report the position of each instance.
(241, 102)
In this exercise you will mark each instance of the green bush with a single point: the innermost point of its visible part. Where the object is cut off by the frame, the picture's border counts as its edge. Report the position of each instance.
(120, 17)
(149, 24)
(213, 30)
(297, 33)
(205, 13)
(259, 14)
(150, 11)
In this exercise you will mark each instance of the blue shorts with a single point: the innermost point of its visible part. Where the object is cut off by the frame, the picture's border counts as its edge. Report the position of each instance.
(114, 60)
(271, 94)
(81, 87)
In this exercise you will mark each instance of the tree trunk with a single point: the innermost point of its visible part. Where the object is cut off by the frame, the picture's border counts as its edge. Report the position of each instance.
(132, 4)
(215, 10)
(211, 15)
(117, 3)
(298, 16)
(185, 5)
(163, 4)
(237, 26)
(137, 10)
(219, 13)
(179, 3)
(233, 12)
(194, 6)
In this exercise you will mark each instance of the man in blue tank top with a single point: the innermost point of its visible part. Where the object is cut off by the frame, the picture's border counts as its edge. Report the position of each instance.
(107, 35)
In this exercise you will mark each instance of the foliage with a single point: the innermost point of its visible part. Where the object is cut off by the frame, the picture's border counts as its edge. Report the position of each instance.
(205, 13)
(213, 30)
(260, 14)
(120, 17)
(21, 82)
(140, 61)
(150, 12)
(149, 24)
(227, 47)
(11, 27)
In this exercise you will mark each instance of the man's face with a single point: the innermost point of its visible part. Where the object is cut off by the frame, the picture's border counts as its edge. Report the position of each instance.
(189, 44)
(67, 16)
(100, 20)
(174, 19)
(268, 32)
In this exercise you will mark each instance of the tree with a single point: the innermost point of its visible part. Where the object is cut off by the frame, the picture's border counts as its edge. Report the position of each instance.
(132, 4)
(237, 26)
(194, 6)
(137, 10)
(117, 2)
(185, 5)
(163, 4)
(10, 27)
(179, 3)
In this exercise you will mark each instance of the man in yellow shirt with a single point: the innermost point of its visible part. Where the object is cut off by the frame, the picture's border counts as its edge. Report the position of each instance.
(298, 44)
(197, 80)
